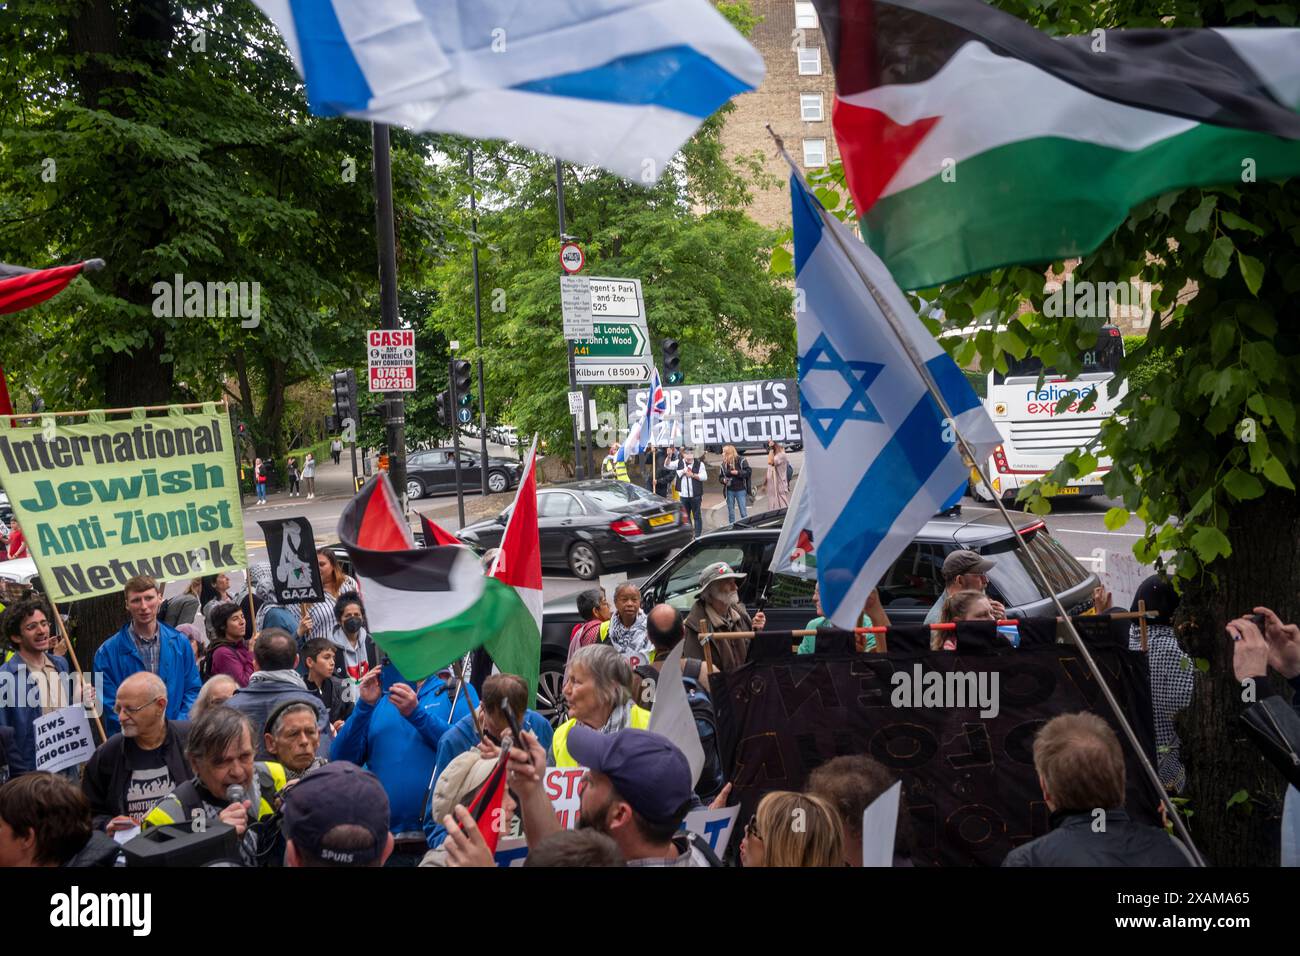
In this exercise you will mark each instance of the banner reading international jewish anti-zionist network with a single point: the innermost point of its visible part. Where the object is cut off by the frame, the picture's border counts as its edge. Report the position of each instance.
(100, 502)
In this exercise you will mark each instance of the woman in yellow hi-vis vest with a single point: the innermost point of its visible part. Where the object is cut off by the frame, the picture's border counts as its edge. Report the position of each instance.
(598, 690)
(612, 467)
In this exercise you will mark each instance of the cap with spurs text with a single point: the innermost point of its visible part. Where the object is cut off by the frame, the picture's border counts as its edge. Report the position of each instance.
(337, 794)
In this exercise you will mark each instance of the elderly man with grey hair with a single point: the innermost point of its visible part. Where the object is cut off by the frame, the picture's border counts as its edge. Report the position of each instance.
(136, 768)
(598, 691)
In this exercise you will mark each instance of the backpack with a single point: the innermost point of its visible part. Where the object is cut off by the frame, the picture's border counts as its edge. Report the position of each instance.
(706, 723)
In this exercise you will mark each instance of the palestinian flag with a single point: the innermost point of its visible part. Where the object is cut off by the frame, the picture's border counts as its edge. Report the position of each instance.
(426, 607)
(22, 288)
(972, 141)
(519, 564)
(435, 534)
(486, 804)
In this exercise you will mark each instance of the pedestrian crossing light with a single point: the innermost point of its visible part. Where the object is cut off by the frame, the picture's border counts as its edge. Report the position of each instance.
(671, 350)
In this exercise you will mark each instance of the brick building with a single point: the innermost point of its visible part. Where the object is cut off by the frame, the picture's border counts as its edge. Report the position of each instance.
(795, 98)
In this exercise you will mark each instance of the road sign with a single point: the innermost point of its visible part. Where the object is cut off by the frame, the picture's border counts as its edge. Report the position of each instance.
(391, 353)
(571, 258)
(464, 415)
(575, 303)
(618, 348)
(575, 403)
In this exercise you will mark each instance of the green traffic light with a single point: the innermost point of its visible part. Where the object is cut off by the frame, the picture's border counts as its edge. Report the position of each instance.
(466, 400)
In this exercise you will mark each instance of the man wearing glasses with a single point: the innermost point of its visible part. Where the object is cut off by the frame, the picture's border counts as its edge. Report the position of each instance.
(964, 571)
(135, 769)
(33, 682)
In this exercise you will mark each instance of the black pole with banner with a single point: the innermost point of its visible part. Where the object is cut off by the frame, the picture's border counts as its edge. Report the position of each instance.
(578, 453)
(394, 402)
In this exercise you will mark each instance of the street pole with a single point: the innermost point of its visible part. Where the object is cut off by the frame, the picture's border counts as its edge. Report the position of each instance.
(578, 469)
(455, 439)
(394, 402)
(478, 336)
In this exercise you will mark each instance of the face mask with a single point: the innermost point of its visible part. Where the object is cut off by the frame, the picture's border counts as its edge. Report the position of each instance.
(352, 625)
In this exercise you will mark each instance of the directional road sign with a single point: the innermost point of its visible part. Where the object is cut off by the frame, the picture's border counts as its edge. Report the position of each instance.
(618, 350)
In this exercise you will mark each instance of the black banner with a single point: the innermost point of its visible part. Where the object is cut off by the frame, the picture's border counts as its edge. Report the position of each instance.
(748, 414)
(967, 770)
(291, 548)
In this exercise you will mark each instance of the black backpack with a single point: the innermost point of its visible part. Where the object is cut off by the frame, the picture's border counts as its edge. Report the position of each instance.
(706, 722)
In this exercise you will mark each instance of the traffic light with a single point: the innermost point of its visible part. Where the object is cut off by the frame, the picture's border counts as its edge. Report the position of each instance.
(444, 408)
(671, 349)
(345, 394)
(463, 388)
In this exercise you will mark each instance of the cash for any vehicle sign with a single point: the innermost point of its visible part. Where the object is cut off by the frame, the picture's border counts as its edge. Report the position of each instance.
(392, 360)
(101, 502)
(730, 413)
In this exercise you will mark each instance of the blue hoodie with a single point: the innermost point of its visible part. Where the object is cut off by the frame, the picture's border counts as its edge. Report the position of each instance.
(460, 738)
(117, 659)
(401, 751)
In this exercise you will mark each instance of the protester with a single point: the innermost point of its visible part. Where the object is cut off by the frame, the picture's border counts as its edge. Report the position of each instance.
(214, 693)
(146, 644)
(873, 615)
(334, 692)
(1081, 771)
(793, 829)
(318, 619)
(294, 475)
(357, 653)
(337, 817)
(735, 476)
(572, 848)
(38, 682)
(964, 570)
(16, 546)
(259, 480)
(672, 462)
(718, 608)
(627, 628)
(961, 606)
(275, 682)
(45, 821)
(612, 467)
(396, 736)
(228, 651)
(593, 624)
(220, 754)
(197, 635)
(778, 477)
(691, 475)
(662, 476)
(850, 784)
(637, 791)
(184, 607)
(1172, 674)
(665, 628)
(292, 739)
(214, 590)
(598, 691)
(336, 450)
(500, 691)
(309, 474)
(131, 771)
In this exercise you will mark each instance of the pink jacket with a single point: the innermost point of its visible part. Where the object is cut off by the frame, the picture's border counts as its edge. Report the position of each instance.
(235, 660)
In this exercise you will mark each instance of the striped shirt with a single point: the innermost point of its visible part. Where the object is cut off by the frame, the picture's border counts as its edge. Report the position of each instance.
(322, 612)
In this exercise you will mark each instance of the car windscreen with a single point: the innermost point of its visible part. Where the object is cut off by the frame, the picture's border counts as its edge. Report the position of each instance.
(683, 584)
(612, 497)
(1013, 576)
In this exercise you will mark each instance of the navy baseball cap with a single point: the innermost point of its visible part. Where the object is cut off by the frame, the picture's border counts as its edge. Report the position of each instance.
(337, 794)
(647, 769)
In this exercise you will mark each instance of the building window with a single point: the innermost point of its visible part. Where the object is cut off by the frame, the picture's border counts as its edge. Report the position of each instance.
(805, 16)
(810, 107)
(810, 61)
(814, 153)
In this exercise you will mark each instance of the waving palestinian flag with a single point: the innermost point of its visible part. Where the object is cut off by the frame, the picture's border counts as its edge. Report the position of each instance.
(426, 607)
(972, 141)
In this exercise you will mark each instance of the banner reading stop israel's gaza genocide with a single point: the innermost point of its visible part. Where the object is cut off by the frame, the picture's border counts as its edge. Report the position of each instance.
(100, 502)
(730, 413)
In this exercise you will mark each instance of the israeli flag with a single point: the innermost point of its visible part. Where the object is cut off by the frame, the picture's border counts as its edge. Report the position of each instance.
(636, 442)
(613, 83)
(656, 403)
(880, 456)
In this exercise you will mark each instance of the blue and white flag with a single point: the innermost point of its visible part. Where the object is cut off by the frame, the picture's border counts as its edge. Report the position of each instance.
(636, 442)
(880, 456)
(656, 404)
(613, 83)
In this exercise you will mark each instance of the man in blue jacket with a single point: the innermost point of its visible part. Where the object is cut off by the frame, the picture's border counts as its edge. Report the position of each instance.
(147, 644)
(395, 735)
(32, 683)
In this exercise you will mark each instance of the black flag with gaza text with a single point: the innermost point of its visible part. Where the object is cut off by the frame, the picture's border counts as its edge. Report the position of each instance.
(291, 547)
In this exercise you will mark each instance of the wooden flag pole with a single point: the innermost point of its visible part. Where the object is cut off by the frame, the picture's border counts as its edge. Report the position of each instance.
(1142, 623)
(76, 664)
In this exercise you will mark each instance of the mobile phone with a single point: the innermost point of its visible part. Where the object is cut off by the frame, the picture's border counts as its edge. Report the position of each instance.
(516, 739)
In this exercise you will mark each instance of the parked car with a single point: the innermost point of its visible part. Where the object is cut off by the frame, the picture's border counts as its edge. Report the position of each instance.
(435, 470)
(587, 526)
(908, 590)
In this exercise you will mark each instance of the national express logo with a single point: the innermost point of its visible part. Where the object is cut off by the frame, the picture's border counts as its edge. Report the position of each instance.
(1043, 401)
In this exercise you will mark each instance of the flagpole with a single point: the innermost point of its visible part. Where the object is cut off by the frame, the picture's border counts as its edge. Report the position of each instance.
(968, 452)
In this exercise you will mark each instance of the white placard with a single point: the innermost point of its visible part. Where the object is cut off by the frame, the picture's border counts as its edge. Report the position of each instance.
(716, 826)
(575, 403)
(62, 739)
(879, 822)
(575, 304)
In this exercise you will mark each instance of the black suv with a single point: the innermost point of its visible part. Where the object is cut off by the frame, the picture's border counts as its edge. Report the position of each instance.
(908, 591)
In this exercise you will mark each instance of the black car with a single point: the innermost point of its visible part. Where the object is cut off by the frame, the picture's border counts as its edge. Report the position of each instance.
(587, 526)
(435, 470)
(908, 590)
